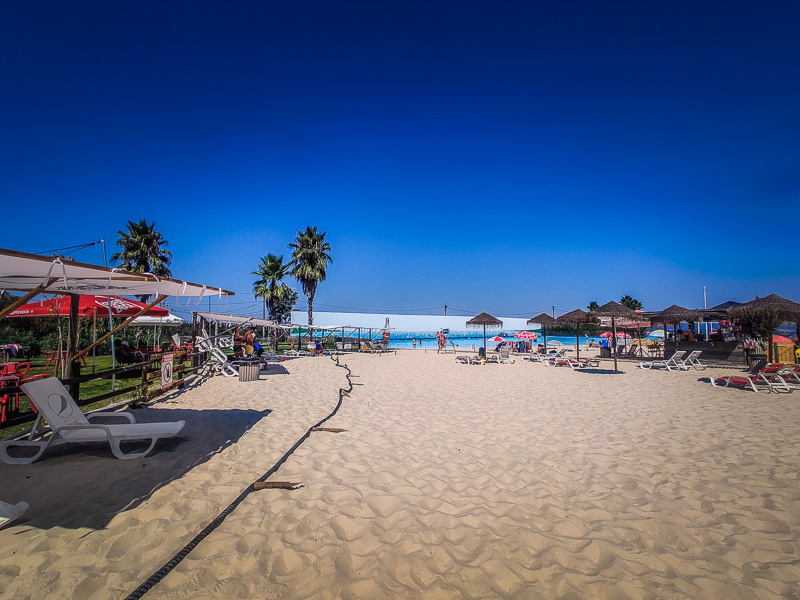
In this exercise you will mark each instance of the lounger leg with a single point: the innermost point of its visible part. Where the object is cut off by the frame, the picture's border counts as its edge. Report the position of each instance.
(117, 451)
(11, 460)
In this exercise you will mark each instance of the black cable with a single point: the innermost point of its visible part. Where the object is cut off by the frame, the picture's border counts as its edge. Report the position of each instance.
(184, 552)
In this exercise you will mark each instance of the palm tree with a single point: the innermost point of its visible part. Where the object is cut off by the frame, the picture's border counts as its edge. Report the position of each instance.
(630, 302)
(310, 260)
(142, 251)
(268, 285)
(593, 305)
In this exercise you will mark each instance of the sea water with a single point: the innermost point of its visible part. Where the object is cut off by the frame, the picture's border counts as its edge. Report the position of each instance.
(427, 340)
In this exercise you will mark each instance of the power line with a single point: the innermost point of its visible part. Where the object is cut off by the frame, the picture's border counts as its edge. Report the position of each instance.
(79, 247)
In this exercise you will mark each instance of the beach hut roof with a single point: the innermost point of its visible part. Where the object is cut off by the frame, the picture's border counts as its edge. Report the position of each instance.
(577, 316)
(676, 314)
(484, 319)
(772, 307)
(542, 319)
(614, 309)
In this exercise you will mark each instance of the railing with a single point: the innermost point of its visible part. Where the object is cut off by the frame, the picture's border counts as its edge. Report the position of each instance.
(147, 389)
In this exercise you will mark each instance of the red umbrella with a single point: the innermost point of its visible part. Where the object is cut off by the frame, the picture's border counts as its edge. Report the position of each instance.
(120, 307)
(781, 339)
(525, 335)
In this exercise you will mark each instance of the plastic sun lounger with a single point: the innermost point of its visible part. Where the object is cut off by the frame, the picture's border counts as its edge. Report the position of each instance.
(692, 362)
(673, 363)
(70, 425)
(767, 378)
(505, 356)
(11, 512)
(219, 360)
(791, 376)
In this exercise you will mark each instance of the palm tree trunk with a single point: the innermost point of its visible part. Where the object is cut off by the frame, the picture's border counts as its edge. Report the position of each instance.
(311, 310)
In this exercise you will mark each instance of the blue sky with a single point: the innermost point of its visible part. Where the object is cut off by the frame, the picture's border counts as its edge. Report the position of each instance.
(502, 157)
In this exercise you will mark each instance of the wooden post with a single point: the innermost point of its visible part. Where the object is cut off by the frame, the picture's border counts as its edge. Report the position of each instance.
(194, 339)
(75, 388)
(614, 337)
(23, 299)
(72, 337)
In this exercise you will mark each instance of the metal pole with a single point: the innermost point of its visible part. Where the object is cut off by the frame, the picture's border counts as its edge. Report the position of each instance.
(110, 323)
(554, 312)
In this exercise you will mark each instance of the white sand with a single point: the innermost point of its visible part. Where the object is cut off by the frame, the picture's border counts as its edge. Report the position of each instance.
(451, 481)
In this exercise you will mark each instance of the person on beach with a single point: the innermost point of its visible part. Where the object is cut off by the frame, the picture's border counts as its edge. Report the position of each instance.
(318, 348)
(249, 341)
(238, 343)
(413, 342)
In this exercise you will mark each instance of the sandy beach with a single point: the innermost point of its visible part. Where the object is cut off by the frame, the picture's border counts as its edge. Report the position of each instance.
(450, 481)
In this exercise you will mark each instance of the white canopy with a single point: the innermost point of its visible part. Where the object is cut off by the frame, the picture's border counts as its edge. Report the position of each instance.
(168, 321)
(20, 271)
(237, 319)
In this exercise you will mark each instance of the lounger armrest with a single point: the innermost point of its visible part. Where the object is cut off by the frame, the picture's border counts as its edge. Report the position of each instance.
(90, 427)
(125, 415)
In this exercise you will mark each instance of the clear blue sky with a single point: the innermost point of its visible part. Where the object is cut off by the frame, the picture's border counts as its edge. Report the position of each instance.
(505, 157)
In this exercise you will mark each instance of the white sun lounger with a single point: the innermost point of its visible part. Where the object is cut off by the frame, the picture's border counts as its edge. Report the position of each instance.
(505, 356)
(11, 512)
(692, 362)
(219, 360)
(673, 363)
(70, 425)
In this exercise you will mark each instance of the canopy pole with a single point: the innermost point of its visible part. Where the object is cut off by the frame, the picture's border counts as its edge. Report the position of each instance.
(578, 341)
(125, 323)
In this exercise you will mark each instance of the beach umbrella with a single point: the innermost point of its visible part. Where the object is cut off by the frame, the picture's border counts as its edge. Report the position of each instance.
(674, 315)
(496, 339)
(615, 310)
(773, 309)
(544, 320)
(577, 317)
(525, 335)
(606, 334)
(485, 320)
(89, 306)
(656, 333)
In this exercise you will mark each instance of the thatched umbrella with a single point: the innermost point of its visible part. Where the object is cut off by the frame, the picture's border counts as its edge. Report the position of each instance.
(544, 320)
(485, 320)
(773, 309)
(577, 317)
(674, 315)
(615, 310)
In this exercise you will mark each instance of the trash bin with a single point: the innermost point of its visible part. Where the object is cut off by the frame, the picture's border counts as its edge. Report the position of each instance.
(248, 369)
(605, 352)
(756, 362)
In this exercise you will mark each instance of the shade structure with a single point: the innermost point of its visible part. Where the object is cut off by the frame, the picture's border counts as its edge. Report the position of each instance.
(578, 317)
(544, 320)
(20, 271)
(676, 314)
(773, 309)
(168, 321)
(90, 306)
(485, 320)
(615, 310)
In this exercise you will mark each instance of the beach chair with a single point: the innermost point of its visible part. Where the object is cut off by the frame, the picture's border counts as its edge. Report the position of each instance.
(464, 360)
(791, 376)
(218, 359)
(692, 362)
(69, 425)
(583, 363)
(673, 363)
(767, 378)
(505, 356)
(547, 357)
(11, 512)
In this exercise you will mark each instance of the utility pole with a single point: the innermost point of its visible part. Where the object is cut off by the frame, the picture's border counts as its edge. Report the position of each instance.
(445, 310)
(554, 312)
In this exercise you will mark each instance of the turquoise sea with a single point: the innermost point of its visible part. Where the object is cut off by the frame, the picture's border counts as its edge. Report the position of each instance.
(427, 340)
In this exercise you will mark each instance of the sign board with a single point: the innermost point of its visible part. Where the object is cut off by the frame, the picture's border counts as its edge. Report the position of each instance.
(166, 370)
(446, 331)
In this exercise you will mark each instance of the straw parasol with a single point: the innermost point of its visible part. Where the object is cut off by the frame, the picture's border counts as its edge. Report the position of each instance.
(544, 320)
(485, 320)
(578, 317)
(773, 308)
(674, 315)
(615, 310)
